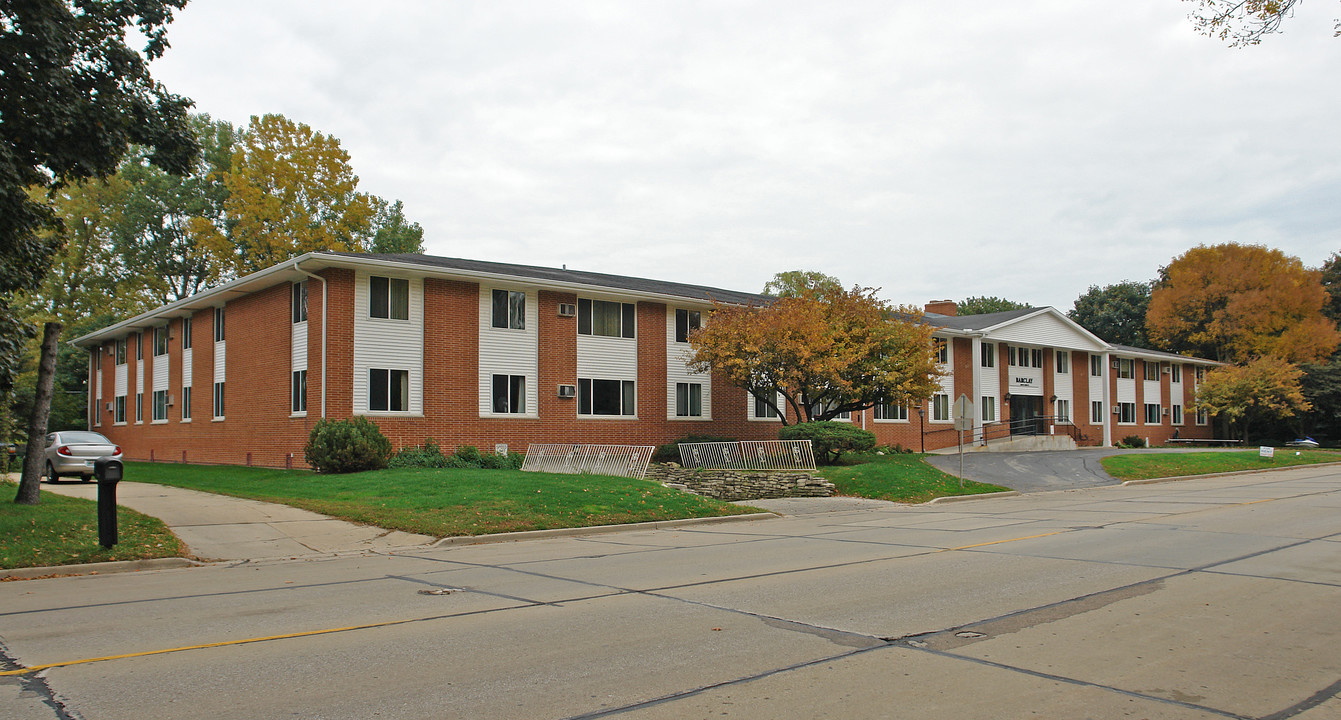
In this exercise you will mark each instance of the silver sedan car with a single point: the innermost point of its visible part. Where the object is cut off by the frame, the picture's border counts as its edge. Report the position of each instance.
(72, 453)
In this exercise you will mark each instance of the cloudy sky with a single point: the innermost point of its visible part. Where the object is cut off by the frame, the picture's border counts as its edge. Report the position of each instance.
(1024, 149)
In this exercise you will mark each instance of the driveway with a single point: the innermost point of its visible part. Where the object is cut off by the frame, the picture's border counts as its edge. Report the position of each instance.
(1033, 471)
(218, 527)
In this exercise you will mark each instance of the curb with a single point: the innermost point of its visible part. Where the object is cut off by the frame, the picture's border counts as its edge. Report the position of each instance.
(1177, 478)
(962, 498)
(102, 568)
(594, 530)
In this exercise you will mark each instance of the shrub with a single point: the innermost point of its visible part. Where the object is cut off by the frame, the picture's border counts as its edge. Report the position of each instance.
(830, 439)
(429, 455)
(670, 452)
(512, 461)
(468, 454)
(346, 446)
(1133, 441)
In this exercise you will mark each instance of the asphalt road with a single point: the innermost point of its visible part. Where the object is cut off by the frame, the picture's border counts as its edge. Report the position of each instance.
(1215, 598)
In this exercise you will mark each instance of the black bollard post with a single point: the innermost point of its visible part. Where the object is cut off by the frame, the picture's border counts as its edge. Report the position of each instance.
(108, 472)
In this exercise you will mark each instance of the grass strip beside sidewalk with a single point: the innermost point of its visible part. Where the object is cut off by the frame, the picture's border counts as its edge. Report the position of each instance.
(447, 502)
(1146, 466)
(62, 530)
(899, 477)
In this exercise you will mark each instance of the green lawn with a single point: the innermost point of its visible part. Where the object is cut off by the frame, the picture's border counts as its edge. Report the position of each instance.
(900, 478)
(1144, 466)
(447, 502)
(63, 530)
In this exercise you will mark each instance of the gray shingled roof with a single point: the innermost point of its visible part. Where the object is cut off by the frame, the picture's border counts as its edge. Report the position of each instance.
(578, 277)
(1133, 350)
(976, 322)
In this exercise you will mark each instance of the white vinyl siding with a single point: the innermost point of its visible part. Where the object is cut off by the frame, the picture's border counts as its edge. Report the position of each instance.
(509, 351)
(388, 344)
(1044, 330)
(120, 382)
(139, 388)
(1176, 394)
(160, 379)
(601, 357)
(678, 372)
(946, 361)
(298, 345)
(1063, 383)
(1125, 386)
(186, 368)
(1150, 388)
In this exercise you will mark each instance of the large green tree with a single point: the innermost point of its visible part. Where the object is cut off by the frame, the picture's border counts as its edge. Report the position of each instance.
(392, 233)
(1243, 22)
(158, 233)
(791, 283)
(1115, 313)
(982, 305)
(74, 96)
(1262, 390)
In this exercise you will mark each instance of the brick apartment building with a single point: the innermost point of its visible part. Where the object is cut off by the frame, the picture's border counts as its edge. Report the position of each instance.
(500, 356)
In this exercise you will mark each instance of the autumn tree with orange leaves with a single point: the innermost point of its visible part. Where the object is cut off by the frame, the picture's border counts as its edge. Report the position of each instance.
(825, 350)
(1235, 303)
(1262, 390)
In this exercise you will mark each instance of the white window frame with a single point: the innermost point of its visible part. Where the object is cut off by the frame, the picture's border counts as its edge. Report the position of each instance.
(1063, 411)
(298, 303)
(186, 404)
(219, 398)
(391, 401)
(888, 412)
(1097, 412)
(392, 290)
(687, 396)
(988, 352)
(1158, 412)
(1125, 417)
(298, 393)
(940, 408)
(1126, 369)
(1096, 365)
(987, 408)
(942, 349)
(513, 315)
(513, 395)
(628, 318)
(1062, 361)
(1176, 414)
(586, 399)
(160, 409)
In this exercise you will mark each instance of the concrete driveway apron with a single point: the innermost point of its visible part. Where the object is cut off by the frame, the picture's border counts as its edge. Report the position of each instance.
(218, 527)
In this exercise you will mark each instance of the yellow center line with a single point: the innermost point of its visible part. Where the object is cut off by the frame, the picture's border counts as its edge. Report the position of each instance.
(226, 643)
(998, 542)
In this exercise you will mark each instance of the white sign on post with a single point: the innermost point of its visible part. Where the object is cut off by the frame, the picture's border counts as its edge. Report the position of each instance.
(1266, 451)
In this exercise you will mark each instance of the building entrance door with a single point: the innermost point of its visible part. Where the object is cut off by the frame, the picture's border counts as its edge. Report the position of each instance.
(1026, 415)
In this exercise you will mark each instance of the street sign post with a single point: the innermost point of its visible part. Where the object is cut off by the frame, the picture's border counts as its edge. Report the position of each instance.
(963, 417)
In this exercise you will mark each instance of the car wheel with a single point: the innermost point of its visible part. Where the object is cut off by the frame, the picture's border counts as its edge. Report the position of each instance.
(85, 478)
(51, 473)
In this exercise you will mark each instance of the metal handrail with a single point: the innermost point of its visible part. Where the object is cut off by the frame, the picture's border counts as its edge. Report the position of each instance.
(981, 434)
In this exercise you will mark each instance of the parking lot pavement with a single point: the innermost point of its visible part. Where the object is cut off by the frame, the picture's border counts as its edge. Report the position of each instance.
(1211, 598)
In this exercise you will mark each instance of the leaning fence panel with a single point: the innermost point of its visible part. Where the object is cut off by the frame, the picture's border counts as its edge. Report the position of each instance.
(621, 460)
(749, 455)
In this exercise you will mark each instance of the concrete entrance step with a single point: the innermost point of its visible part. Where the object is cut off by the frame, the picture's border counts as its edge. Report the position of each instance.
(1017, 443)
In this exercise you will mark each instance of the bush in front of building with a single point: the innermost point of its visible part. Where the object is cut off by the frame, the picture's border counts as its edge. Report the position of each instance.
(1132, 441)
(428, 455)
(830, 439)
(347, 446)
(670, 452)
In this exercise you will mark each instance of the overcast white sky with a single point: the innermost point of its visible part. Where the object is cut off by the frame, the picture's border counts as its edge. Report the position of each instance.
(1024, 149)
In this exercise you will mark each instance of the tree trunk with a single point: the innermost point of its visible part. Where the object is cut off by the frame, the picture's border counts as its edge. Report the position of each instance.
(30, 487)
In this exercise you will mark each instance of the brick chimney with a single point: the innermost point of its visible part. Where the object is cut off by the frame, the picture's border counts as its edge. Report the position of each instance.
(943, 307)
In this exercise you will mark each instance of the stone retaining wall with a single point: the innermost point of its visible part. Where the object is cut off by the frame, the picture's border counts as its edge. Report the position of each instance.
(741, 484)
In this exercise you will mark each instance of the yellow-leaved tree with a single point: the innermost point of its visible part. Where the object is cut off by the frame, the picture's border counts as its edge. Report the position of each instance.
(1261, 390)
(825, 350)
(291, 190)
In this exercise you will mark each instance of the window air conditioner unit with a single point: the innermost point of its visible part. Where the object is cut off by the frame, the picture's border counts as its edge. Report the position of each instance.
(1117, 410)
(109, 407)
(171, 399)
(567, 310)
(1166, 411)
(567, 391)
(1168, 370)
(1116, 364)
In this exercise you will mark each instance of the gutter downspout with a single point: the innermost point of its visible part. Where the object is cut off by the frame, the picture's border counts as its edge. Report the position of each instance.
(323, 334)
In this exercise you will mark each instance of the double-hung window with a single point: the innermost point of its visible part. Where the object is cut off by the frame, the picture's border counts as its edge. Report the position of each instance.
(988, 405)
(1152, 412)
(218, 401)
(121, 352)
(1126, 368)
(1063, 361)
(940, 407)
(388, 390)
(388, 298)
(119, 410)
(1035, 358)
(218, 324)
(298, 405)
(889, 411)
(186, 403)
(942, 348)
(686, 321)
(160, 341)
(509, 393)
(160, 405)
(1176, 413)
(988, 355)
(606, 318)
(299, 302)
(688, 399)
(186, 333)
(1063, 411)
(763, 410)
(1151, 370)
(1127, 412)
(1175, 373)
(509, 309)
(1096, 365)
(606, 397)
(1096, 412)
(139, 407)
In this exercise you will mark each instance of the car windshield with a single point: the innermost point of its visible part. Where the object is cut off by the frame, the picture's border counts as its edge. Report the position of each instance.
(87, 438)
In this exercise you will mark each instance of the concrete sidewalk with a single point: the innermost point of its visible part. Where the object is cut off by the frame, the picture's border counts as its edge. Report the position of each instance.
(218, 527)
